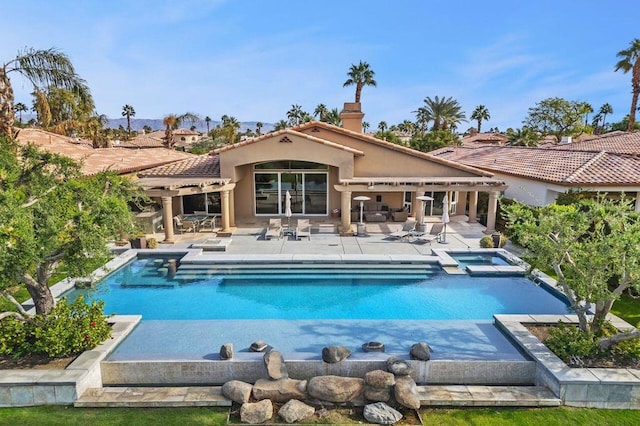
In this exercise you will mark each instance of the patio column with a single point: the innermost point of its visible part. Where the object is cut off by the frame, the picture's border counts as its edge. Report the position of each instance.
(419, 209)
(232, 208)
(461, 207)
(167, 218)
(473, 206)
(637, 202)
(491, 214)
(345, 210)
(224, 200)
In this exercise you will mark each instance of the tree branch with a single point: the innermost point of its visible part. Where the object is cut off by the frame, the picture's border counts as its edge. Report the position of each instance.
(607, 342)
(12, 314)
(14, 302)
(33, 201)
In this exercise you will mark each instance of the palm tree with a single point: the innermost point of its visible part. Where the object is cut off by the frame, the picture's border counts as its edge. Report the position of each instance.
(446, 113)
(630, 61)
(604, 110)
(365, 126)
(281, 125)
(43, 69)
(587, 109)
(259, 126)
(173, 121)
(321, 112)
(20, 108)
(295, 115)
(480, 113)
(207, 120)
(333, 117)
(382, 126)
(128, 111)
(360, 75)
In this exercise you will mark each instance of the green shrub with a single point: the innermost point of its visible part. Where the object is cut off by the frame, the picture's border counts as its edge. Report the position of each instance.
(69, 329)
(487, 241)
(152, 243)
(567, 340)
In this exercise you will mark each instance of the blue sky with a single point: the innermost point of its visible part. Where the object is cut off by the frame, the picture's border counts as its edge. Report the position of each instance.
(254, 59)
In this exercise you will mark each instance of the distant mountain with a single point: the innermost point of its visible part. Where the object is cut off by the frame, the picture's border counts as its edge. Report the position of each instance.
(156, 124)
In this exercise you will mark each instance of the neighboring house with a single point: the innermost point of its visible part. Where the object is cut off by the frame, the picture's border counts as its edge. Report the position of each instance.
(94, 160)
(185, 137)
(323, 167)
(144, 141)
(536, 176)
(483, 139)
(618, 142)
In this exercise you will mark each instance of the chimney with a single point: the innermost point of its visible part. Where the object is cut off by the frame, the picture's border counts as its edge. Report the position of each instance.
(351, 117)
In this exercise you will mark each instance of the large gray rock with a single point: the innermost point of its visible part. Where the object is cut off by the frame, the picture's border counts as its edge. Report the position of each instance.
(381, 414)
(421, 351)
(377, 394)
(294, 411)
(406, 392)
(226, 351)
(280, 390)
(335, 354)
(276, 367)
(237, 391)
(379, 379)
(335, 388)
(398, 366)
(256, 412)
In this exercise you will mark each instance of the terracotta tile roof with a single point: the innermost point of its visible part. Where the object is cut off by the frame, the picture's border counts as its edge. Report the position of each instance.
(392, 146)
(619, 142)
(143, 141)
(486, 138)
(184, 132)
(290, 131)
(122, 160)
(566, 167)
(201, 165)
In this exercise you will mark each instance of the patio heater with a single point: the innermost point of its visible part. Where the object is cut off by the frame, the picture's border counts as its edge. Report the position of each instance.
(424, 199)
(362, 199)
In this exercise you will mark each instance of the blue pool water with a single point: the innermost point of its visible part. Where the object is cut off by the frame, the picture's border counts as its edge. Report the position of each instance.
(465, 259)
(281, 294)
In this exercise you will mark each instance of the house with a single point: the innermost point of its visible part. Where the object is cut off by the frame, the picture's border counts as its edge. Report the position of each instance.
(323, 167)
(94, 160)
(483, 139)
(536, 176)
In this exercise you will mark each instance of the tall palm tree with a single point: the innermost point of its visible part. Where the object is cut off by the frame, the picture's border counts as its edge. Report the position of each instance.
(281, 125)
(587, 109)
(446, 113)
(173, 121)
(360, 75)
(20, 108)
(365, 126)
(382, 126)
(43, 69)
(604, 110)
(630, 61)
(295, 115)
(321, 112)
(128, 111)
(481, 113)
(207, 120)
(259, 126)
(333, 117)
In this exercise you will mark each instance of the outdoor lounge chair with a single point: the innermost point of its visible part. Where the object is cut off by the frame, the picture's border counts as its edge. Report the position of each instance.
(435, 233)
(274, 229)
(407, 228)
(183, 226)
(303, 229)
(209, 222)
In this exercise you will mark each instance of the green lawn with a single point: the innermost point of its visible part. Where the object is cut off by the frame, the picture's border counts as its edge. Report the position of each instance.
(68, 416)
(628, 309)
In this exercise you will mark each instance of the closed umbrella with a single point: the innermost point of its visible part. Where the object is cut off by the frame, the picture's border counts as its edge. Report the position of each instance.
(287, 207)
(445, 217)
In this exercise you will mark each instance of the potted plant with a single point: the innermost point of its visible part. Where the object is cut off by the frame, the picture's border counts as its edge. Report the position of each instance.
(138, 241)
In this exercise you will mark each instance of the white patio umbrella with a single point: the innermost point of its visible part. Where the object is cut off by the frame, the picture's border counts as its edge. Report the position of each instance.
(287, 207)
(445, 217)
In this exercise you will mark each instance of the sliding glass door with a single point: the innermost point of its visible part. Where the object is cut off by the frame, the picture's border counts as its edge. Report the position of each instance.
(308, 192)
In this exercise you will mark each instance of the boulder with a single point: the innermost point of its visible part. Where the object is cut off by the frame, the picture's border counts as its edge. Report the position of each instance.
(379, 379)
(406, 392)
(259, 346)
(335, 388)
(280, 390)
(335, 354)
(377, 394)
(226, 351)
(276, 368)
(373, 347)
(421, 351)
(237, 391)
(294, 411)
(381, 414)
(256, 412)
(398, 366)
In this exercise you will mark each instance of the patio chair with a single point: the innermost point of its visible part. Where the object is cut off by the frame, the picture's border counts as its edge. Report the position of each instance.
(209, 222)
(435, 233)
(183, 226)
(407, 228)
(274, 229)
(303, 229)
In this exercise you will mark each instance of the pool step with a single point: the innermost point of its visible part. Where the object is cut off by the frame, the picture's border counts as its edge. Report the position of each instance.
(486, 396)
(191, 396)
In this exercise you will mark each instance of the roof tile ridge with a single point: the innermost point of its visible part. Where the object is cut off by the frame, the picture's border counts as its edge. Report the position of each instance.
(585, 166)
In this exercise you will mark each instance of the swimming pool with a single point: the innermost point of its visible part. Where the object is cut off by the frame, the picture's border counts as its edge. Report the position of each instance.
(465, 259)
(314, 292)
